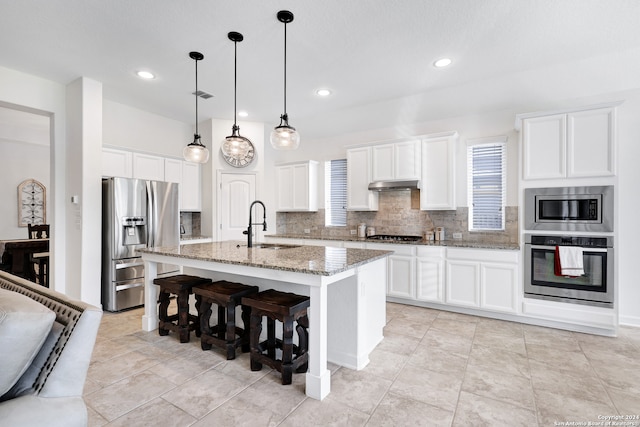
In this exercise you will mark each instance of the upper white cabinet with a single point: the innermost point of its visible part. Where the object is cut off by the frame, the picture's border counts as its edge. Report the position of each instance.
(190, 187)
(396, 161)
(117, 163)
(297, 187)
(127, 164)
(438, 175)
(359, 198)
(570, 144)
(173, 170)
(147, 166)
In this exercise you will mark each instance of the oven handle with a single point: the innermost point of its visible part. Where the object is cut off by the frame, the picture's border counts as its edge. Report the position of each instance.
(553, 248)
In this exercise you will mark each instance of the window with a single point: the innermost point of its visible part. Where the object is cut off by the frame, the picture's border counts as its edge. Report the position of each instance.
(486, 183)
(335, 173)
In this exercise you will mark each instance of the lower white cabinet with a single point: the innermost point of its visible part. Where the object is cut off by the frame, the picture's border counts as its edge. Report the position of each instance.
(401, 269)
(482, 278)
(430, 274)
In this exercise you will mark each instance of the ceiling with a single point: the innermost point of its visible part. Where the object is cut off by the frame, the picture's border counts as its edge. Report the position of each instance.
(371, 52)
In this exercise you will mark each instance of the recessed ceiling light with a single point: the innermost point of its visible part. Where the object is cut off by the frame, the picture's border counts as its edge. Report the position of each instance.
(243, 113)
(323, 92)
(147, 75)
(443, 62)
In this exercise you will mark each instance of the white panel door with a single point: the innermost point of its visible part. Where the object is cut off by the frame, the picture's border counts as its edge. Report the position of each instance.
(499, 286)
(590, 140)
(463, 283)
(237, 192)
(544, 145)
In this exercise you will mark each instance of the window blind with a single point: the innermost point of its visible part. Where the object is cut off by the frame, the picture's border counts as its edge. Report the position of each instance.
(336, 192)
(486, 164)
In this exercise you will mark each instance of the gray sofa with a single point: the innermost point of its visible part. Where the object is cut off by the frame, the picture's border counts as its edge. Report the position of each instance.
(46, 341)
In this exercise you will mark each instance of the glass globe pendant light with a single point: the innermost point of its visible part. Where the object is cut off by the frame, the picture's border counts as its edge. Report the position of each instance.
(235, 145)
(196, 152)
(284, 136)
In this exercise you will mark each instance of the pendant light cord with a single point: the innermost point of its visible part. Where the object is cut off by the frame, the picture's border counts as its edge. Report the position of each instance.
(285, 69)
(235, 81)
(196, 97)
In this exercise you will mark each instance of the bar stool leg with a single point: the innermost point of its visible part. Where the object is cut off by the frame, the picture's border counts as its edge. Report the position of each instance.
(303, 341)
(246, 318)
(183, 315)
(204, 312)
(287, 350)
(163, 298)
(255, 327)
(231, 330)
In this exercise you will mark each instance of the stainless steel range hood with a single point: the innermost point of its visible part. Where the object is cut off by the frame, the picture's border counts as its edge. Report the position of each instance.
(394, 185)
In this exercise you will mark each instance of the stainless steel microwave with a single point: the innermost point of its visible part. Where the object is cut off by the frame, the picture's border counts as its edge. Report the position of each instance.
(569, 208)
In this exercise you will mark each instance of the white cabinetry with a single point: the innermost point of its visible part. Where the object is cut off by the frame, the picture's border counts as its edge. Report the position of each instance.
(438, 178)
(570, 144)
(147, 166)
(430, 274)
(127, 164)
(359, 198)
(397, 161)
(297, 187)
(401, 270)
(191, 187)
(173, 170)
(480, 278)
(117, 163)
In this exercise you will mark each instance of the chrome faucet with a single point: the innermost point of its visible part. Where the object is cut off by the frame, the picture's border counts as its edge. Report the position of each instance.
(249, 230)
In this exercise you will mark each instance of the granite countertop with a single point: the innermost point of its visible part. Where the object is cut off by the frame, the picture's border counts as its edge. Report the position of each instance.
(445, 243)
(186, 237)
(318, 260)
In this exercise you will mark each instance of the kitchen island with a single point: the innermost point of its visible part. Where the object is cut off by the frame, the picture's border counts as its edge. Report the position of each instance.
(347, 289)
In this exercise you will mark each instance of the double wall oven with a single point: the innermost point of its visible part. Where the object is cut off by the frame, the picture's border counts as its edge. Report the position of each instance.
(567, 213)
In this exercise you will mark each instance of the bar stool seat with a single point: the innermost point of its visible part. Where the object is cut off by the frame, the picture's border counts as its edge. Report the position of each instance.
(287, 308)
(227, 296)
(182, 322)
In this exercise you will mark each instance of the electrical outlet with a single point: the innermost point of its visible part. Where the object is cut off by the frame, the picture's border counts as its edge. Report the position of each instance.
(353, 232)
(307, 230)
(457, 235)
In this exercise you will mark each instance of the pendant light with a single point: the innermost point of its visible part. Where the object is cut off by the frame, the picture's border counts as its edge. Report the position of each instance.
(285, 137)
(196, 152)
(235, 146)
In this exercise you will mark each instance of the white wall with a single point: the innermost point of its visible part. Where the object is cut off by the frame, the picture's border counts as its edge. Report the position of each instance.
(134, 129)
(14, 170)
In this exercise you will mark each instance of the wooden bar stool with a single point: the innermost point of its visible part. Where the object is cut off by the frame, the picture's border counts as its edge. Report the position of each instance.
(182, 322)
(287, 308)
(227, 296)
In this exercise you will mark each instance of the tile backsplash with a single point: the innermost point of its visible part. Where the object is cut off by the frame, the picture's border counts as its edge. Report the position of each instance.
(399, 213)
(190, 222)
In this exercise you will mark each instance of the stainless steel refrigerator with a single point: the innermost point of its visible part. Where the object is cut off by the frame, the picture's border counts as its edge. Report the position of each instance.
(135, 214)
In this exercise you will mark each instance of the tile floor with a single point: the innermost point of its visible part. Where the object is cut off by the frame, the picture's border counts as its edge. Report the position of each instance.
(434, 368)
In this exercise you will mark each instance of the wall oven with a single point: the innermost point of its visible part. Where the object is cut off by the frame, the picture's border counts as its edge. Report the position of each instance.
(569, 208)
(594, 288)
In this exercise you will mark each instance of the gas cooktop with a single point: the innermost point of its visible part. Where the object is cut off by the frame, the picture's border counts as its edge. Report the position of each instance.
(392, 238)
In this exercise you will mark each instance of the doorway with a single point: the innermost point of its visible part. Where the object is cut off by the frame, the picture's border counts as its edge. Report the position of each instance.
(25, 150)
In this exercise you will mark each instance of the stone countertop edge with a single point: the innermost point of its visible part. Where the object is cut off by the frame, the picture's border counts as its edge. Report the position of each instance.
(444, 244)
(185, 237)
(301, 259)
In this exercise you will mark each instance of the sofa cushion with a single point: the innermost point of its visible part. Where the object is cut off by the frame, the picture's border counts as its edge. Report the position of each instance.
(24, 325)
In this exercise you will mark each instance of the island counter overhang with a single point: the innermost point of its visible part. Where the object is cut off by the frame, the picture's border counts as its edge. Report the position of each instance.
(346, 319)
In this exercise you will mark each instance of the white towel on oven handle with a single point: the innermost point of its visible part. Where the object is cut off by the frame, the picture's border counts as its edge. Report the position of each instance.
(571, 260)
